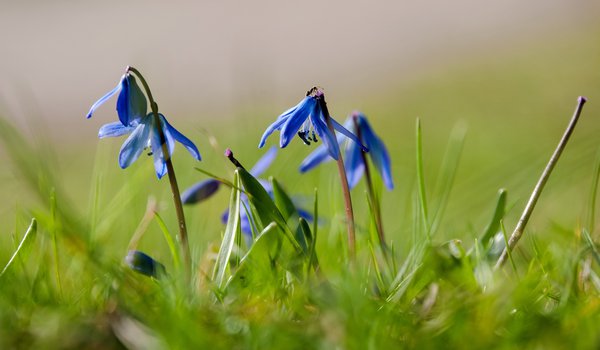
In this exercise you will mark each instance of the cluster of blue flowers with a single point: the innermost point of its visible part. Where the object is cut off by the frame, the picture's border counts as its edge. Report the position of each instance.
(309, 120)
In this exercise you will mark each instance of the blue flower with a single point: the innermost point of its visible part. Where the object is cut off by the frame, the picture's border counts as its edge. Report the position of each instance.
(354, 164)
(307, 119)
(145, 133)
(144, 129)
(131, 103)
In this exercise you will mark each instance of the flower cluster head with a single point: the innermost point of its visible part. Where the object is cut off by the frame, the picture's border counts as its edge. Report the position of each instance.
(308, 119)
(354, 160)
(148, 130)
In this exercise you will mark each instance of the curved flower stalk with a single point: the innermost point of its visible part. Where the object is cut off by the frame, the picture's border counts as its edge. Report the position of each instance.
(356, 163)
(147, 131)
(308, 119)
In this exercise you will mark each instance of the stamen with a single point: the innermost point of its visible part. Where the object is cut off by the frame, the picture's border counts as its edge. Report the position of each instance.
(302, 135)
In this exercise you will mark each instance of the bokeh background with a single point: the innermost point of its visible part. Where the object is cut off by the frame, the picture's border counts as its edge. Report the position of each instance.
(509, 72)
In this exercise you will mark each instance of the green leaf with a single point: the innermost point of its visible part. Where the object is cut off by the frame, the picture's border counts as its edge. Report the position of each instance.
(282, 200)
(265, 209)
(494, 226)
(232, 230)
(169, 238)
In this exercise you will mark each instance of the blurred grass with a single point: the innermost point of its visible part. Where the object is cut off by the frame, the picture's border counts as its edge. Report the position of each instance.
(515, 103)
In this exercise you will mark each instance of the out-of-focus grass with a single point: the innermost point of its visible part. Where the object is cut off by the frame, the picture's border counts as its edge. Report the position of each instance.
(515, 104)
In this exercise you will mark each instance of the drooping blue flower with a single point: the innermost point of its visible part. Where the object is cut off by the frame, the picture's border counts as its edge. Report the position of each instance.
(354, 163)
(131, 103)
(144, 128)
(145, 134)
(307, 120)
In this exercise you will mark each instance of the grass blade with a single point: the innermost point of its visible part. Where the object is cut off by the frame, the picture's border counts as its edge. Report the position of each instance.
(232, 230)
(170, 241)
(31, 231)
(421, 180)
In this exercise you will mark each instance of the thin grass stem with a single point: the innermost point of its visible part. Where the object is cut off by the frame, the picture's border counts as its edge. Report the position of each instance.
(539, 187)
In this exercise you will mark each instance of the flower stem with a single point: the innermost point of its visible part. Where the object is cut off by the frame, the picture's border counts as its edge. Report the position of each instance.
(371, 192)
(183, 237)
(344, 181)
(539, 187)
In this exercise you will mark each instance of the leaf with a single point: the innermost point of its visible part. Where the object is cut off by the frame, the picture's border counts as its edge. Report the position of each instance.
(232, 230)
(282, 200)
(494, 225)
(265, 209)
(170, 240)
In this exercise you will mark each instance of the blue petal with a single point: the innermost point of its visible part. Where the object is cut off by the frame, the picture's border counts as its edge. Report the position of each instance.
(275, 126)
(305, 108)
(134, 145)
(319, 155)
(305, 214)
(326, 135)
(103, 99)
(131, 104)
(114, 130)
(200, 191)
(160, 165)
(264, 162)
(179, 137)
(340, 128)
(379, 154)
(354, 164)
(282, 119)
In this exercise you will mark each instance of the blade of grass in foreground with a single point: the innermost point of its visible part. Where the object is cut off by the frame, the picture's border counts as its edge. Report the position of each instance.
(31, 231)
(421, 180)
(231, 231)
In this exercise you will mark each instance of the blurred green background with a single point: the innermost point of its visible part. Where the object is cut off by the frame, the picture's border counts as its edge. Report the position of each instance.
(509, 72)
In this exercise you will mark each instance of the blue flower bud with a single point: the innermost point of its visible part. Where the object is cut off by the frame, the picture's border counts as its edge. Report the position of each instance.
(144, 264)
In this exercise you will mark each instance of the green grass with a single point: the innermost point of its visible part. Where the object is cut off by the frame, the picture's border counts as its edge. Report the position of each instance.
(486, 124)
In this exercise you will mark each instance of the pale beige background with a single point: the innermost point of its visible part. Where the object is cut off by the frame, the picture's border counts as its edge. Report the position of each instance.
(205, 59)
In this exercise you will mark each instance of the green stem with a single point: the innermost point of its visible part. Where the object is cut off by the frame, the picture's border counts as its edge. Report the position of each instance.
(421, 181)
(183, 237)
(371, 192)
(344, 182)
(539, 187)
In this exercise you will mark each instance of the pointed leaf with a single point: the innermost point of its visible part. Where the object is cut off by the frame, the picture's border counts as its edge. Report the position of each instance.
(232, 231)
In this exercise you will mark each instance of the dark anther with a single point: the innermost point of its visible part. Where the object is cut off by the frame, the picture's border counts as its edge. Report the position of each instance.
(302, 135)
